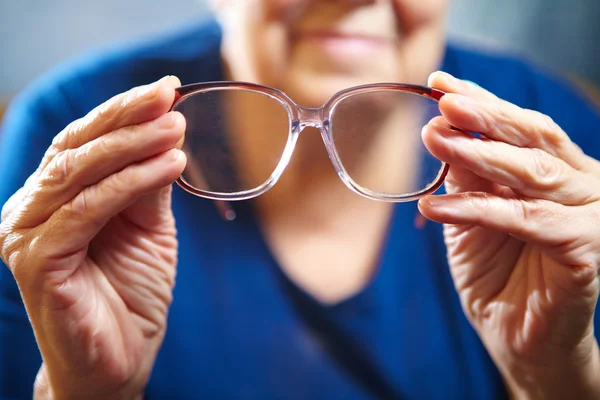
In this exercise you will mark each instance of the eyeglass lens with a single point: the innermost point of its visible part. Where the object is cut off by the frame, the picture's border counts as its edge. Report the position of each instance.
(235, 140)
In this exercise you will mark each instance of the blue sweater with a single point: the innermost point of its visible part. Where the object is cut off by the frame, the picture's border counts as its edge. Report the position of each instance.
(238, 327)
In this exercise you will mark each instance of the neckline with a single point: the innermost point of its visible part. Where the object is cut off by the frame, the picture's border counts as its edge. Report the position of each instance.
(399, 217)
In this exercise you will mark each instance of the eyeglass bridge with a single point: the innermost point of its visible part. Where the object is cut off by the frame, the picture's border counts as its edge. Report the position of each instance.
(310, 117)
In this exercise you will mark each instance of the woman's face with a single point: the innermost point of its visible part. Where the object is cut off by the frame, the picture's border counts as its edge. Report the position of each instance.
(313, 48)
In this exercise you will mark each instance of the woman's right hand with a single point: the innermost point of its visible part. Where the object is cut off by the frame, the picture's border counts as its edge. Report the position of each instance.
(91, 242)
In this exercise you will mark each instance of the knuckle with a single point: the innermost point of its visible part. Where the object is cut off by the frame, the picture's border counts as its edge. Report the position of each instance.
(531, 212)
(78, 208)
(26, 247)
(60, 169)
(548, 131)
(65, 138)
(105, 112)
(546, 122)
(544, 170)
(82, 206)
(120, 182)
(52, 151)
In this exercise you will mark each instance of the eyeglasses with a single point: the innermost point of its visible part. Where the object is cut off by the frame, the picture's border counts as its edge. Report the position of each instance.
(240, 138)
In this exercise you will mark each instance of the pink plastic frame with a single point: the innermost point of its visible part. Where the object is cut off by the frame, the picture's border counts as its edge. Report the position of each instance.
(302, 117)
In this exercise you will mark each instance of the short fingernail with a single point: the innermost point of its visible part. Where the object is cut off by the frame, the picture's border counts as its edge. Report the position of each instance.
(166, 121)
(447, 76)
(440, 75)
(431, 201)
(175, 155)
(152, 87)
(147, 89)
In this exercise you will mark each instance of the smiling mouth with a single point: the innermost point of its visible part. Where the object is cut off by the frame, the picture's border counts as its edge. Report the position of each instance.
(342, 42)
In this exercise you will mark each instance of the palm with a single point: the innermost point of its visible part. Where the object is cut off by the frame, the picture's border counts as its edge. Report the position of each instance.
(116, 300)
(514, 292)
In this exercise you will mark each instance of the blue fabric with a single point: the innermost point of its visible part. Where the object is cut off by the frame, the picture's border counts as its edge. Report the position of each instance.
(238, 328)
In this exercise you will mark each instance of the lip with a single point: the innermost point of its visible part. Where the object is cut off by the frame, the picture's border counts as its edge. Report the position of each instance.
(327, 35)
(344, 44)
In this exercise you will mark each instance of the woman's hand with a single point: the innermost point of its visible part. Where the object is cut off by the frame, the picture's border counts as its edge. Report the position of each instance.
(522, 228)
(90, 240)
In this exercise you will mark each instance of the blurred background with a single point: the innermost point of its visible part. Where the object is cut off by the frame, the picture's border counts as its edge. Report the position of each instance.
(37, 35)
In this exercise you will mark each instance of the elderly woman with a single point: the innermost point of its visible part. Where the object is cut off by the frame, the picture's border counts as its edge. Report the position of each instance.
(312, 290)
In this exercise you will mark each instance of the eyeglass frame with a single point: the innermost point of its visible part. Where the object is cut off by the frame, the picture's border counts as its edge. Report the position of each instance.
(301, 117)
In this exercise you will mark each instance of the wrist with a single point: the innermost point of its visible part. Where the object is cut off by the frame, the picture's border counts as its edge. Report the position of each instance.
(43, 390)
(567, 377)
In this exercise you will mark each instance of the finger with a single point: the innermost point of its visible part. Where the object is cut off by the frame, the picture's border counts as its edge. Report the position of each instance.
(459, 179)
(530, 172)
(463, 180)
(566, 231)
(138, 105)
(449, 84)
(74, 169)
(473, 111)
(74, 225)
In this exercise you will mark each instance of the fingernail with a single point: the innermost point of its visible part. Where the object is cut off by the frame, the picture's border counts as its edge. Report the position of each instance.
(431, 201)
(173, 154)
(147, 89)
(152, 88)
(172, 79)
(165, 121)
(441, 75)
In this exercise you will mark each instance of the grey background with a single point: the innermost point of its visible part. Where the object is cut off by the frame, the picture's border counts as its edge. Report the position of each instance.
(36, 35)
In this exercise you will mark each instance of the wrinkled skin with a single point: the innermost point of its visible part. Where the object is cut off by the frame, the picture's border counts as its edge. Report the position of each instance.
(91, 242)
(91, 239)
(522, 230)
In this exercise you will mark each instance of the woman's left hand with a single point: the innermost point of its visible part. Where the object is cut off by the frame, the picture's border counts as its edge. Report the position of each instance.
(522, 228)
